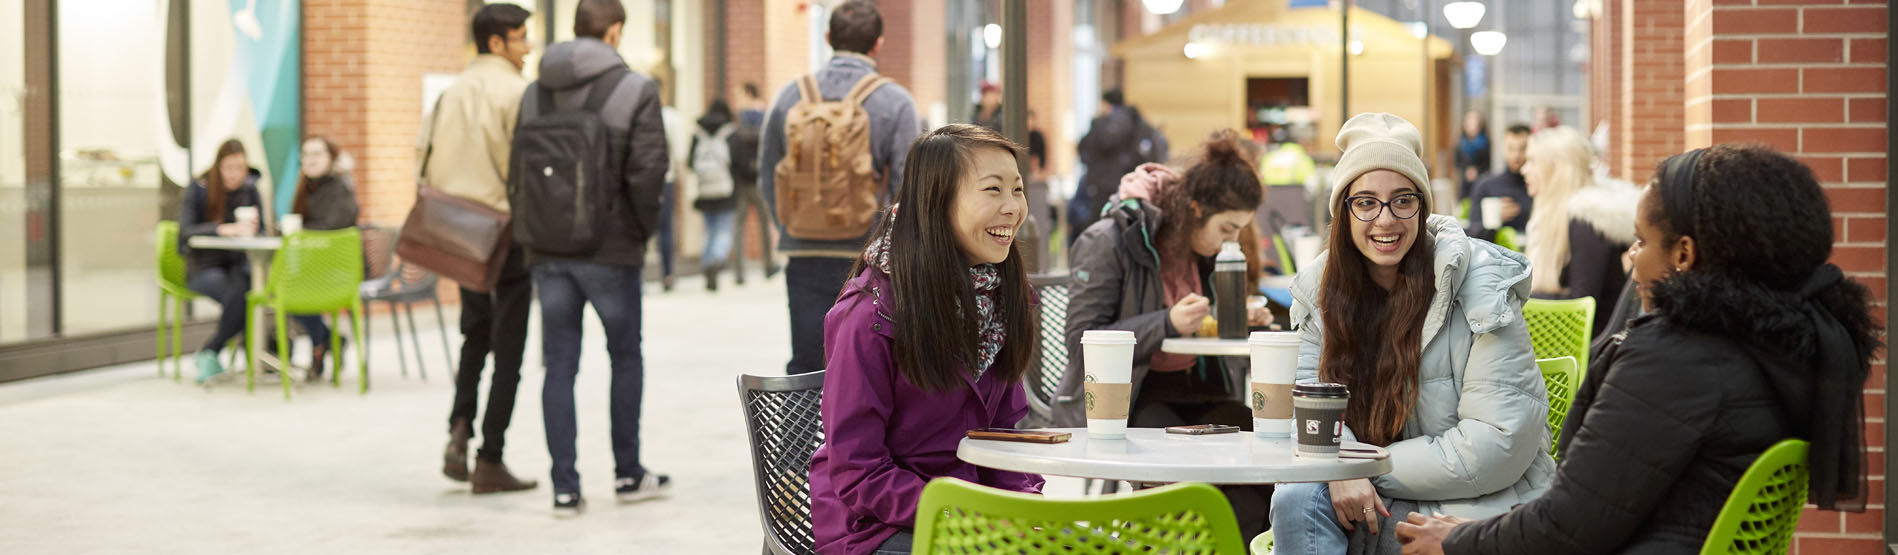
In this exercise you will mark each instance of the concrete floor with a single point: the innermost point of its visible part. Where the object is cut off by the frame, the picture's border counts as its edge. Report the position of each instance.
(116, 460)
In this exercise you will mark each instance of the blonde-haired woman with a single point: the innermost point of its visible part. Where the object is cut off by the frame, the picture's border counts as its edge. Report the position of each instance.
(1580, 225)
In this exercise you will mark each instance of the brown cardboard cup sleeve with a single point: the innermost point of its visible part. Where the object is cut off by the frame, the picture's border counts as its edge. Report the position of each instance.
(1109, 401)
(1271, 400)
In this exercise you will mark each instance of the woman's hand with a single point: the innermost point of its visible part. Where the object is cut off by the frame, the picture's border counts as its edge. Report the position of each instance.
(1258, 316)
(1357, 501)
(1424, 535)
(235, 230)
(1186, 314)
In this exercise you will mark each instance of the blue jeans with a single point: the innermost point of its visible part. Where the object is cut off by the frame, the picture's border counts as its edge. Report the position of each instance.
(667, 236)
(898, 544)
(1304, 523)
(718, 239)
(565, 288)
(228, 285)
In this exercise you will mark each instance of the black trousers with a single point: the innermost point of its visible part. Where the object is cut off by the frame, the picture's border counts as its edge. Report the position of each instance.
(812, 283)
(493, 322)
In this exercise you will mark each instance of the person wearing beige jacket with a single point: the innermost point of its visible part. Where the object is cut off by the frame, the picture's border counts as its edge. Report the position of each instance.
(464, 148)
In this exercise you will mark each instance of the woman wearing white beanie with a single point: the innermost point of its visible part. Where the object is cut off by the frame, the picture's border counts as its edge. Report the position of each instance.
(1424, 325)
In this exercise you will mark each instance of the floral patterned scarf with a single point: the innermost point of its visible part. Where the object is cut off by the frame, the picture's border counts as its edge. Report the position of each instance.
(988, 286)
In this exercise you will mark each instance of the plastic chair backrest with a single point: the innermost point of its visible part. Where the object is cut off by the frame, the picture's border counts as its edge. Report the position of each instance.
(1763, 510)
(1561, 378)
(317, 271)
(1561, 328)
(785, 428)
(1051, 343)
(378, 248)
(171, 265)
(956, 516)
(1508, 238)
(1285, 255)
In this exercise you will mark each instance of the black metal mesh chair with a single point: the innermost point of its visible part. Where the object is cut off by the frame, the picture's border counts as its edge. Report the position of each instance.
(1051, 349)
(391, 280)
(785, 428)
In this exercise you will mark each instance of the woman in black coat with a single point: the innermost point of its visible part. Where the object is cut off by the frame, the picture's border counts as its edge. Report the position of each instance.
(1751, 338)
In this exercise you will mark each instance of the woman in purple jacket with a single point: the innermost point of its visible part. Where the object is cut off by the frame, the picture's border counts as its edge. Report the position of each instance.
(929, 339)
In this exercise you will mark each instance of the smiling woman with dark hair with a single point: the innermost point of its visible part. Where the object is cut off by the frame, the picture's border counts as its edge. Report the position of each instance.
(931, 336)
(1751, 338)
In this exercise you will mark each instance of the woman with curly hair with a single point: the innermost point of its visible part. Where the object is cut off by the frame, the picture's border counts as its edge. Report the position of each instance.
(1751, 337)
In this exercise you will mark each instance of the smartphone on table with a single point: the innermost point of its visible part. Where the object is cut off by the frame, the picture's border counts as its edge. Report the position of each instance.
(1027, 436)
(1202, 429)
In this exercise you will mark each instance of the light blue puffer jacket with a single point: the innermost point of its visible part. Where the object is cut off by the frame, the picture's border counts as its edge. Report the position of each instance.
(1477, 442)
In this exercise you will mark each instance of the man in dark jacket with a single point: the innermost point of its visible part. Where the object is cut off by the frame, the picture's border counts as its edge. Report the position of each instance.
(609, 277)
(1507, 184)
(744, 143)
(1110, 149)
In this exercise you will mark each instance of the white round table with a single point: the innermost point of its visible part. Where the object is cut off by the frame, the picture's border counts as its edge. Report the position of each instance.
(1206, 346)
(259, 250)
(1152, 455)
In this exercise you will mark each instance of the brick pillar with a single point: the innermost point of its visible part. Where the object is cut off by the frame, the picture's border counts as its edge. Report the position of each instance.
(1808, 78)
(744, 45)
(1651, 85)
(1604, 79)
(1050, 60)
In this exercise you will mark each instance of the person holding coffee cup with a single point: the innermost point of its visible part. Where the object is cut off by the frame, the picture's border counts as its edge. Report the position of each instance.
(210, 208)
(1751, 338)
(1147, 267)
(932, 337)
(325, 199)
(1423, 326)
(1580, 224)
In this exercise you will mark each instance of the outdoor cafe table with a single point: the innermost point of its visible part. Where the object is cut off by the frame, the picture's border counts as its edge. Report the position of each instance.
(259, 249)
(1152, 455)
(1206, 346)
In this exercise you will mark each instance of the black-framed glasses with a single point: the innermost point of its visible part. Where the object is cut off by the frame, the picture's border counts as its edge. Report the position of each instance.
(1367, 208)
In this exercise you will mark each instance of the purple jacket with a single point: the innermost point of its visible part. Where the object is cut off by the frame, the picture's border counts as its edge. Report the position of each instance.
(883, 437)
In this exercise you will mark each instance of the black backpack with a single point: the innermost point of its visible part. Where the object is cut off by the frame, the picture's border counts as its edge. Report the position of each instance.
(564, 188)
(744, 147)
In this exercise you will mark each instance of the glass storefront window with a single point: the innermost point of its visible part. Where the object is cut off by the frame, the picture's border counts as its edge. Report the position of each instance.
(112, 99)
(14, 293)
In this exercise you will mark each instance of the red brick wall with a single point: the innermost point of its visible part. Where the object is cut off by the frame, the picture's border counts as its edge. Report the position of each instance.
(1605, 79)
(744, 44)
(1808, 77)
(1651, 86)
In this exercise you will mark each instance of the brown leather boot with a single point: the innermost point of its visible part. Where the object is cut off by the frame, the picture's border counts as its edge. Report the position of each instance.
(493, 477)
(455, 456)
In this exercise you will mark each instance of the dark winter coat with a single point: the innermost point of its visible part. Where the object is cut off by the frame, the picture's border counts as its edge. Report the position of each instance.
(193, 221)
(1668, 418)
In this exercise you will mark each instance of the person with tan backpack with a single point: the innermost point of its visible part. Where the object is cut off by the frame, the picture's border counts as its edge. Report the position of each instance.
(830, 156)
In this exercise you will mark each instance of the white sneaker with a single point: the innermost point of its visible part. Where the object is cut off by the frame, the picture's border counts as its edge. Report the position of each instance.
(650, 486)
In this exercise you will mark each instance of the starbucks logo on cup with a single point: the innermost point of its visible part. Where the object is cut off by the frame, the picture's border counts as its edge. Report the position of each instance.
(1090, 399)
(1258, 400)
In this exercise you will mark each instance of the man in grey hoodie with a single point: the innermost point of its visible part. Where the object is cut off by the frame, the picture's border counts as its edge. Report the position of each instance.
(608, 277)
(816, 270)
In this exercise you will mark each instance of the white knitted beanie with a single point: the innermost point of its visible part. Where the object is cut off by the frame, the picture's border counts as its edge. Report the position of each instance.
(1379, 141)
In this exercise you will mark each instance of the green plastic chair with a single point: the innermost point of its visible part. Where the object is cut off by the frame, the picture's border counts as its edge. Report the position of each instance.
(316, 272)
(1285, 255)
(1562, 378)
(172, 293)
(1763, 509)
(1509, 238)
(1262, 543)
(1561, 328)
(955, 516)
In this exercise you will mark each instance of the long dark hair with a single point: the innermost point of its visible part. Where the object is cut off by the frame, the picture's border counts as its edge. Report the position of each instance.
(932, 298)
(213, 181)
(1373, 337)
(302, 198)
(1222, 176)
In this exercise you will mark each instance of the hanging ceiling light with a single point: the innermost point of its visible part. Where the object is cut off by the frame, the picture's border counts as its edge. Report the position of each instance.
(1464, 15)
(992, 35)
(1194, 50)
(1488, 43)
(1163, 7)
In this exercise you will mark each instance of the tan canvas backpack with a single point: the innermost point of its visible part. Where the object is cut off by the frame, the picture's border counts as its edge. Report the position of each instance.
(827, 185)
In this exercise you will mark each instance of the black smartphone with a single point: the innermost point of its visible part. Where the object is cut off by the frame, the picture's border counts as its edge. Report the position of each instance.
(1202, 429)
(1027, 436)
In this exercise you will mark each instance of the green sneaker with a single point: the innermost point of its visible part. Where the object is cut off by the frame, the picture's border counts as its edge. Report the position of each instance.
(208, 366)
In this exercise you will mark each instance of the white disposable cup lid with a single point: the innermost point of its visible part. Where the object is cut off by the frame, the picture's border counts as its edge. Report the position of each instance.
(1107, 337)
(1273, 339)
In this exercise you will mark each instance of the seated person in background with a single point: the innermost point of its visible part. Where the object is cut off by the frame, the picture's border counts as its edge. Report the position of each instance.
(209, 208)
(1146, 267)
(326, 199)
(930, 339)
(1580, 225)
(1507, 185)
(1424, 325)
(1751, 338)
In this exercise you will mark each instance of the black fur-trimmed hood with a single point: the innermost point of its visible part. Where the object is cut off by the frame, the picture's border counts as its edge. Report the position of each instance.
(1753, 315)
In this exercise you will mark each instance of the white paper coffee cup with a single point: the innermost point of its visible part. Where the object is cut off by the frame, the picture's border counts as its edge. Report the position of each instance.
(1493, 212)
(291, 224)
(247, 215)
(1108, 361)
(1274, 366)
